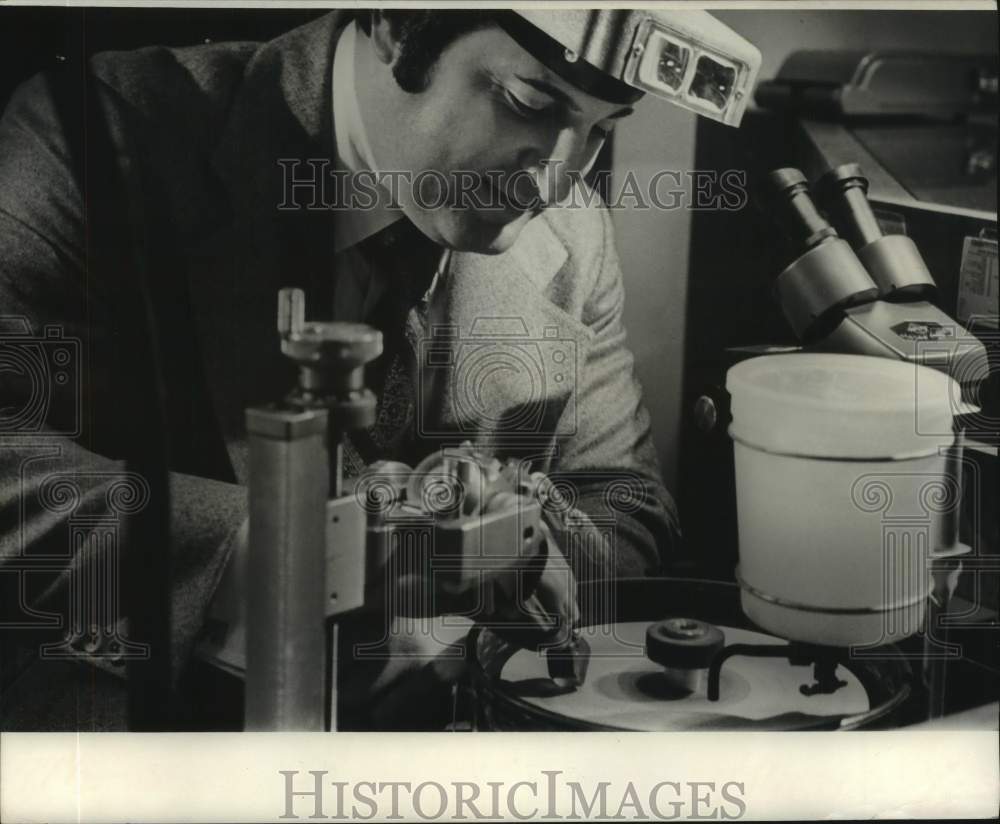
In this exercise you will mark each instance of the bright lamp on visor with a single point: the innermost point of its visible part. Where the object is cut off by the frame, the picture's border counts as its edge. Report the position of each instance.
(686, 57)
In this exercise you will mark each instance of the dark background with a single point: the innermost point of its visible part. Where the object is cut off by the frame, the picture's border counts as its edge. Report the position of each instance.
(34, 39)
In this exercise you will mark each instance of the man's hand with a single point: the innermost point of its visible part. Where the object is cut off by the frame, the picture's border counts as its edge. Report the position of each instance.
(530, 608)
(544, 616)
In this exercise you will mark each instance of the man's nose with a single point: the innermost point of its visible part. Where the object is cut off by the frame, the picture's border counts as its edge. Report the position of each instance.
(552, 169)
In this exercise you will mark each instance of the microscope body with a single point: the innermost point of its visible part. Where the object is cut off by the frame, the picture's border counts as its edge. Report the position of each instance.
(854, 290)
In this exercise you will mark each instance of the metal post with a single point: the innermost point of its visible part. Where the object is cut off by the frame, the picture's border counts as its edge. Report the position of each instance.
(286, 636)
(307, 541)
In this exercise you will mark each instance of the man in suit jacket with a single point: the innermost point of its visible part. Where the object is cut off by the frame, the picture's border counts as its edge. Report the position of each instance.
(202, 138)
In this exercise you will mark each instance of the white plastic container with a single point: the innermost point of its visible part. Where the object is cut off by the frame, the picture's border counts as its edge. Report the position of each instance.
(841, 493)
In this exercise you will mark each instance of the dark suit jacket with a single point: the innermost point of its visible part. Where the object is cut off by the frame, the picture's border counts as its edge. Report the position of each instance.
(197, 133)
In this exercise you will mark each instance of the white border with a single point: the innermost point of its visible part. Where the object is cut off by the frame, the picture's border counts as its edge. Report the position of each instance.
(235, 777)
(226, 777)
(775, 5)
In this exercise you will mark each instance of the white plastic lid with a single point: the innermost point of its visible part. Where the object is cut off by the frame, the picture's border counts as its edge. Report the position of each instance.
(841, 406)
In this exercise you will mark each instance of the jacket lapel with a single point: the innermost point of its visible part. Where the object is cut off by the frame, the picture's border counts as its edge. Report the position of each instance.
(500, 363)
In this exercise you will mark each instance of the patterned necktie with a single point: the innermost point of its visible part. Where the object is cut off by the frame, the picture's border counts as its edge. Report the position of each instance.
(409, 261)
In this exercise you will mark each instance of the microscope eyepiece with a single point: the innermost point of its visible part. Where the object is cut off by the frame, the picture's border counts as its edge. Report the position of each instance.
(843, 194)
(786, 191)
(826, 276)
(893, 261)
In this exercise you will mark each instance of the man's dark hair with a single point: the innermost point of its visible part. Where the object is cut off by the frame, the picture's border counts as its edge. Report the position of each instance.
(422, 36)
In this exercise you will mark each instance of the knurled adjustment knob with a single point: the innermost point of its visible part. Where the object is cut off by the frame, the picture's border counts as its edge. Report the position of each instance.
(337, 346)
(341, 345)
(331, 359)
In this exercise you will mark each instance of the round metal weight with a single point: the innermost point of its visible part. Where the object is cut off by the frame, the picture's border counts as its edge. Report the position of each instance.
(683, 643)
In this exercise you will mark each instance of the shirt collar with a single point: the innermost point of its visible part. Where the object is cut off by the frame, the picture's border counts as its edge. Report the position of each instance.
(353, 150)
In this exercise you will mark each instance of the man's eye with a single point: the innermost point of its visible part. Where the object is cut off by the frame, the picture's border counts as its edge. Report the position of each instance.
(520, 106)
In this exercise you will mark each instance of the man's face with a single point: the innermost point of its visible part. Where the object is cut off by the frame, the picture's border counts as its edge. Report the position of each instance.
(495, 112)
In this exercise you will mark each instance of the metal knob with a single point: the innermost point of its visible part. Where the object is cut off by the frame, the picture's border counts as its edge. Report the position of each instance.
(706, 415)
(291, 312)
(685, 648)
(712, 409)
(346, 345)
(331, 356)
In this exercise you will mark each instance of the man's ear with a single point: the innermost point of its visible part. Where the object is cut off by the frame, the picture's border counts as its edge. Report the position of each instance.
(383, 41)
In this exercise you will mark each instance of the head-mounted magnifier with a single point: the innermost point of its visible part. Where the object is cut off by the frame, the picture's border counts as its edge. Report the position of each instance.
(686, 57)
